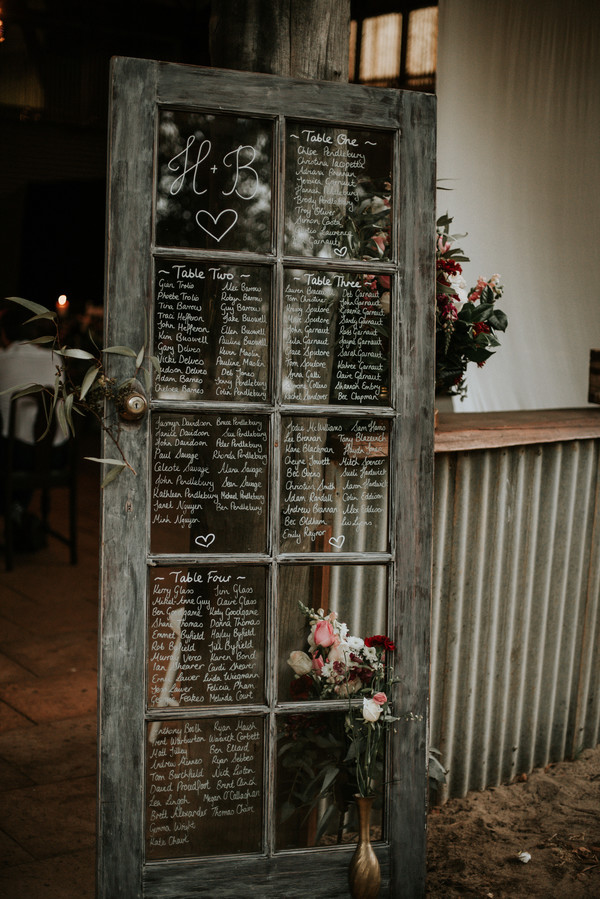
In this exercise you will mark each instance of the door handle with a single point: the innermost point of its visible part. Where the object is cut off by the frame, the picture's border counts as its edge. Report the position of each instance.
(132, 404)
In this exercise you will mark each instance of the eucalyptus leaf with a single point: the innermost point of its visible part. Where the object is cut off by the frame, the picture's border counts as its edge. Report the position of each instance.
(41, 340)
(88, 379)
(112, 475)
(140, 357)
(69, 411)
(120, 351)
(49, 316)
(23, 390)
(61, 417)
(75, 353)
(29, 304)
(92, 341)
(105, 461)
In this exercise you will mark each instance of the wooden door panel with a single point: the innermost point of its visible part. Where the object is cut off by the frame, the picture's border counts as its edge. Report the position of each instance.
(270, 242)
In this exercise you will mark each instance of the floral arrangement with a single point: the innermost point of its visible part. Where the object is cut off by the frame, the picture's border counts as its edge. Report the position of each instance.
(340, 665)
(466, 320)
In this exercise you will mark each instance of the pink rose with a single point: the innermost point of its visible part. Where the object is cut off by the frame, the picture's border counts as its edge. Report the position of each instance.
(339, 652)
(324, 635)
(317, 664)
(380, 698)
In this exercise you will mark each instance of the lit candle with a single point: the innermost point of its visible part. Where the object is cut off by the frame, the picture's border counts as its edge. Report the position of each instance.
(62, 305)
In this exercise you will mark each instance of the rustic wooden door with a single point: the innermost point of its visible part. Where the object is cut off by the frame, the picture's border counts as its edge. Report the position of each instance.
(271, 246)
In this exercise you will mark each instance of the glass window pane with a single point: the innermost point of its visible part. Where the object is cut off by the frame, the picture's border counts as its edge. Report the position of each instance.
(381, 48)
(311, 752)
(336, 337)
(213, 186)
(357, 594)
(421, 47)
(209, 483)
(206, 636)
(338, 192)
(204, 791)
(335, 485)
(211, 331)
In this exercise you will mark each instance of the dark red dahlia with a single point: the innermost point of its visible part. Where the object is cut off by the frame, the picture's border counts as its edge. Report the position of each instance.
(380, 640)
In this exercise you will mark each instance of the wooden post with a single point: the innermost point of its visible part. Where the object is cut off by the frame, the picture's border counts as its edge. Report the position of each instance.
(294, 38)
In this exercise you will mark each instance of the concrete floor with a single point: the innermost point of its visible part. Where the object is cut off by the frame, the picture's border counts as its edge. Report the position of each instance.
(48, 673)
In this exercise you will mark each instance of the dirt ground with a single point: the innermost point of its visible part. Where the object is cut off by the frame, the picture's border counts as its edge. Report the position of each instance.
(553, 814)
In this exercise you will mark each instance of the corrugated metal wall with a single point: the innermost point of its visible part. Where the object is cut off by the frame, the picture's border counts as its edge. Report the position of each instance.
(515, 677)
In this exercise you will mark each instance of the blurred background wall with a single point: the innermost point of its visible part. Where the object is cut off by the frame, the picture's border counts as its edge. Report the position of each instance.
(519, 146)
(519, 131)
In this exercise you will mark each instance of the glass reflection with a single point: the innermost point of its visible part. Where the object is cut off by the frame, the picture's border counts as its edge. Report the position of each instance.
(338, 192)
(214, 181)
(357, 594)
(315, 785)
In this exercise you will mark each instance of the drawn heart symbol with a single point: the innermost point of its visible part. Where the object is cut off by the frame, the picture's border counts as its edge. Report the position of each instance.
(218, 232)
(204, 542)
(338, 542)
(340, 251)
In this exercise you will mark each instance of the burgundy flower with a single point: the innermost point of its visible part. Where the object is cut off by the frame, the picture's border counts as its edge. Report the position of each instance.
(449, 266)
(300, 687)
(449, 312)
(380, 640)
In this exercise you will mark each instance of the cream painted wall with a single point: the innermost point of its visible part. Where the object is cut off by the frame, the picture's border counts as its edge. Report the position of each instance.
(518, 88)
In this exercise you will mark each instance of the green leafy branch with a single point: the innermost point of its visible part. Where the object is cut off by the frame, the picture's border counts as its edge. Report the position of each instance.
(68, 397)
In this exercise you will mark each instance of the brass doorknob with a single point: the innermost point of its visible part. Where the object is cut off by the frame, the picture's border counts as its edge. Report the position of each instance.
(133, 406)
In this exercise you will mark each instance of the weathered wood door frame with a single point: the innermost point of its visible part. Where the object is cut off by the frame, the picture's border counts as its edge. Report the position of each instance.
(138, 87)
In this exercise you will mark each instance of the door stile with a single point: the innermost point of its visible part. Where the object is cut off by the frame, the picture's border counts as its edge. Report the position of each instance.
(121, 734)
(413, 494)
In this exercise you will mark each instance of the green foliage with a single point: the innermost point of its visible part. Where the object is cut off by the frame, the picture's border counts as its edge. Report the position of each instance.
(467, 322)
(96, 394)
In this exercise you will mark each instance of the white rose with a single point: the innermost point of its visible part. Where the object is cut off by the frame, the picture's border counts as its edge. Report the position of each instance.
(371, 710)
(300, 662)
